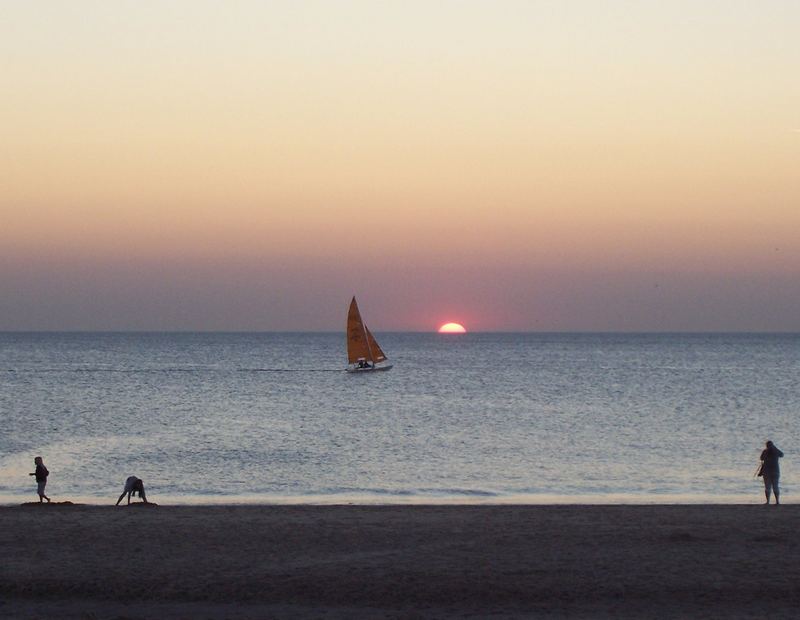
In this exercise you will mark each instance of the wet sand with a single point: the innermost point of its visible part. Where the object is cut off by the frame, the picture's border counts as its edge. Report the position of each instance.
(399, 561)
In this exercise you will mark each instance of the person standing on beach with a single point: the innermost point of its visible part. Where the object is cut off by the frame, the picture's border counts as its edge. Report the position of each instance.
(771, 471)
(132, 485)
(41, 474)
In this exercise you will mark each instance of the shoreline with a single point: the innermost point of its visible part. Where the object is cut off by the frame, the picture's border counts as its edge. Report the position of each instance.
(754, 497)
(588, 561)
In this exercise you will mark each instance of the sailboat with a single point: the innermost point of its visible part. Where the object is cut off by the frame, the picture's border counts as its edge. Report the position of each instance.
(363, 352)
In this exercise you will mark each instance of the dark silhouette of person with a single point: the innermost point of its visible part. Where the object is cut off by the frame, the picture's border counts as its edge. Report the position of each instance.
(41, 474)
(771, 471)
(133, 485)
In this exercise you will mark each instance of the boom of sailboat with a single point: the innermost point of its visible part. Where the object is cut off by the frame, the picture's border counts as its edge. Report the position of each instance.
(363, 352)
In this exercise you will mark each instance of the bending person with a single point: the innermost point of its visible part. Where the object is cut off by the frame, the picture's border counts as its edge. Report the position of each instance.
(771, 471)
(133, 485)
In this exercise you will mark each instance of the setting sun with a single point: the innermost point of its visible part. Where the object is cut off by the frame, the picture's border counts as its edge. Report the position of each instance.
(452, 328)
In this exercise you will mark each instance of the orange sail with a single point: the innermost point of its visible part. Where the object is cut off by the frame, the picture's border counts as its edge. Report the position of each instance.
(357, 345)
(361, 344)
(377, 354)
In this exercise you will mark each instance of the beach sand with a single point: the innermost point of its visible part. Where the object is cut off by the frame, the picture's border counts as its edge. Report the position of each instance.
(399, 561)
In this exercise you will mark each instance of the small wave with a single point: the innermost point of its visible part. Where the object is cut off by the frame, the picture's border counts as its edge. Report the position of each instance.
(163, 370)
(110, 370)
(362, 492)
(465, 492)
(289, 370)
(420, 492)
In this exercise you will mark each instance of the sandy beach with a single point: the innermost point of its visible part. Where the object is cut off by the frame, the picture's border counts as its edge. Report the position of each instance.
(399, 561)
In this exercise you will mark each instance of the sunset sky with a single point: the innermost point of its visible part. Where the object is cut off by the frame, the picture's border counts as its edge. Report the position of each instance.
(506, 165)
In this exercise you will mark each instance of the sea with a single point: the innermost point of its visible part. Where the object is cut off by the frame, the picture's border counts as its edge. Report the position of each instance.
(272, 418)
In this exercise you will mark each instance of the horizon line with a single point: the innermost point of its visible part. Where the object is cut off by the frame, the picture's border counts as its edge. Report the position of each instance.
(396, 331)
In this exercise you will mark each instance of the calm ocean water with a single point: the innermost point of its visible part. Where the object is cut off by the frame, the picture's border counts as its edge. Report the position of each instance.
(272, 417)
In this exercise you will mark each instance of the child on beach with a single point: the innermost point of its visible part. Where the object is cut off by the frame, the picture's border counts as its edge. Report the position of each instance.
(41, 474)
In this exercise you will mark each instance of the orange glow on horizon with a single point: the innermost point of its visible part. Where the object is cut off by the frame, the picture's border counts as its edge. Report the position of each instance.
(452, 328)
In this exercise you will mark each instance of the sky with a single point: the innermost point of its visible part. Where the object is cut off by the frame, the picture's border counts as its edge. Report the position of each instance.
(512, 166)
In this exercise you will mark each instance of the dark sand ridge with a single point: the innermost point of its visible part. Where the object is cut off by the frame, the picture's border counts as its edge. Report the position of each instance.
(428, 561)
